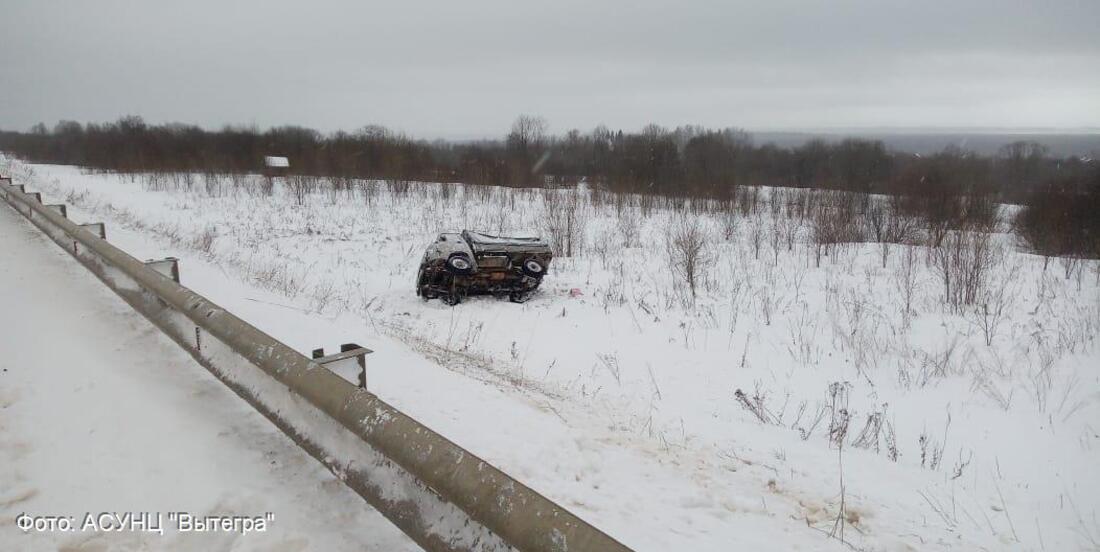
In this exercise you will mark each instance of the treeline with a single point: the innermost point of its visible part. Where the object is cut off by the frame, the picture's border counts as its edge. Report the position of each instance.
(130, 145)
(687, 161)
(1063, 218)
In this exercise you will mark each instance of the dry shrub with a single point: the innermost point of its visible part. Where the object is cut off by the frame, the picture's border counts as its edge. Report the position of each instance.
(690, 253)
(834, 222)
(564, 220)
(963, 262)
(1062, 223)
(629, 227)
(300, 187)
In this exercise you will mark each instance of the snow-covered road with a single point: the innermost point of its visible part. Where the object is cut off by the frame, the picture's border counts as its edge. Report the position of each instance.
(100, 412)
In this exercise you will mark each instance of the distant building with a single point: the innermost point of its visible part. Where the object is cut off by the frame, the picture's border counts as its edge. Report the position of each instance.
(276, 166)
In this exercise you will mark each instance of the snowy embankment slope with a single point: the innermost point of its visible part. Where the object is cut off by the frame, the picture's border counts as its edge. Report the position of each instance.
(100, 412)
(619, 403)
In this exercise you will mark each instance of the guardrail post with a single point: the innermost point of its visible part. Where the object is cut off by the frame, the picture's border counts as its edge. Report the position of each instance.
(361, 359)
(168, 266)
(97, 228)
(347, 350)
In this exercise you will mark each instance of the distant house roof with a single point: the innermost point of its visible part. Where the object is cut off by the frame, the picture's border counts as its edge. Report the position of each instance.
(276, 162)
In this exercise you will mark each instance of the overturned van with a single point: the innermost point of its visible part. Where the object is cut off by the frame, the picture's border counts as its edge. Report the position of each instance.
(457, 265)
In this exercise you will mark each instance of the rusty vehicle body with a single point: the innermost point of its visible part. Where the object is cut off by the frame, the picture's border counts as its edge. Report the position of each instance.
(457, 265)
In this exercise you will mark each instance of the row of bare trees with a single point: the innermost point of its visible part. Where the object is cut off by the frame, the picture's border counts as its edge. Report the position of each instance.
(689, 160)
(947, 190)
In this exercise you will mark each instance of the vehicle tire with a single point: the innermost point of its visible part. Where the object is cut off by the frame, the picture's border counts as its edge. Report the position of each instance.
(459, 264)
(533, 268)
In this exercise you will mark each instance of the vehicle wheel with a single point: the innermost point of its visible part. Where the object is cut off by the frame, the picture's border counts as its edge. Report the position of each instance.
(533, 268)
(459, 264)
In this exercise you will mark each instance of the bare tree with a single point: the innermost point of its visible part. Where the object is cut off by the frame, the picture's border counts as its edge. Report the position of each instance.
(789, 226)
(301, 186)
(565, 220)
(528, 132)
(775, 237)
(994, 304)
(689, 250)
(527, 148)
(756, 234)
(729, 219)
(905, 280)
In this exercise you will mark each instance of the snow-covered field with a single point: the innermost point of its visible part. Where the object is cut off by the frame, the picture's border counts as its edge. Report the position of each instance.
(613, 391)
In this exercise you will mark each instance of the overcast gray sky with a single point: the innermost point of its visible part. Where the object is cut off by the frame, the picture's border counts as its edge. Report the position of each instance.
(467, 68)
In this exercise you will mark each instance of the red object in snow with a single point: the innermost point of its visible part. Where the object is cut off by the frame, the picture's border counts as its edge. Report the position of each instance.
(575, 292)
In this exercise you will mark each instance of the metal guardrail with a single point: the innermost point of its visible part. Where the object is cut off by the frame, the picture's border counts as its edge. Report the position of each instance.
(442, 496)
